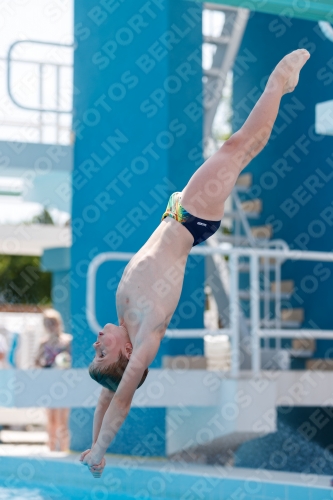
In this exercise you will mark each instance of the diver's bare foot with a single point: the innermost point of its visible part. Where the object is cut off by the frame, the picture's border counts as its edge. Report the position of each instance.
(288, 69)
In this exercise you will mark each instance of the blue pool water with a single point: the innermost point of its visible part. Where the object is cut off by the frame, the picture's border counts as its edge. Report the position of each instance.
(42, 492)
(20, 493)
(44, 479)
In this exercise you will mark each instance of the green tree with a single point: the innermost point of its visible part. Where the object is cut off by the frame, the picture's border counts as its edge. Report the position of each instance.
(22, 281)
(43, 218)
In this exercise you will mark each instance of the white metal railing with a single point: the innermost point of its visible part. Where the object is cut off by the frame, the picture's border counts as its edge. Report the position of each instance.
(224, 41)
(242, 223)
(327, 29)
(58, 122)
(256, 332)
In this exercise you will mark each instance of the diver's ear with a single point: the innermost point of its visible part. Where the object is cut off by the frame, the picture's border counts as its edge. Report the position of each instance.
(128, 350)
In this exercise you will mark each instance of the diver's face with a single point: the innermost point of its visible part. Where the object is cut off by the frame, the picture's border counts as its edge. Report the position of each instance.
(110, 341)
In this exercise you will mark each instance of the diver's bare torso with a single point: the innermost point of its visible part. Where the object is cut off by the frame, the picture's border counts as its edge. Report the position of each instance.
(150, 287)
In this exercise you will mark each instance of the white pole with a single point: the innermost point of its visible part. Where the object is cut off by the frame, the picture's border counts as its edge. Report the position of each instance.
(267, 304)
(234, 314)
(41, 68)
(278, 299)
(57, 102)
(255, 312)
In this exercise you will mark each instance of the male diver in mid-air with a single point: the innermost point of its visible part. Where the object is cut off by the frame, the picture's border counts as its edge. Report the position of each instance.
(150, 287)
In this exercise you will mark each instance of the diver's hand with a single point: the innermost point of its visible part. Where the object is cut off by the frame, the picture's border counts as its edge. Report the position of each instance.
(83, 454)
(95, 467)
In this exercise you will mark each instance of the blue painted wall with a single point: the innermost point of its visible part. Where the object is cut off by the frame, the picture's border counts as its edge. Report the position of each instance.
(138, 125)
(293, 175)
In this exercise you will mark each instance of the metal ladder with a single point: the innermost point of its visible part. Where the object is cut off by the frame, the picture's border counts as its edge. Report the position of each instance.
(227, 45)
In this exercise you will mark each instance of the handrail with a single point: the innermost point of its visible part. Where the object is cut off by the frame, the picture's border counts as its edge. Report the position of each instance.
(234, 253)
(91, 283)
(29, 124)
(243, 219)
(9, 74)
(33, 61)
(255, 312)
(234, 312)
(327, 29)
(264, 252)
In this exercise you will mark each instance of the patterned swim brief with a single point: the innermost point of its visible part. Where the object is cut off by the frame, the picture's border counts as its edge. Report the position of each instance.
(201, 229)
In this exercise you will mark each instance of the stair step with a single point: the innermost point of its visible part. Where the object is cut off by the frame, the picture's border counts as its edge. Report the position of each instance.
(296, 314)
(298, 353)
(23, 437)
(304, 344)
(219, 7)
(184, 362)
(270, 324)
(271, 260)
(286, 286)
(244, 267)
(215, 72)
(235, 240)
(252, 205)
(319, 364)
(244, 180)
(264, 232)
(246, 295)
(235, 215)
(217, 40)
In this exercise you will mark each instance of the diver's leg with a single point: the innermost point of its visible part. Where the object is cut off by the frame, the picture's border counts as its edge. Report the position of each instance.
(212, 183)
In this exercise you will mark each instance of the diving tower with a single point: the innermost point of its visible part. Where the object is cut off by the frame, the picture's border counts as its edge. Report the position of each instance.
(311, 11)
(138, 132)
(200, 407)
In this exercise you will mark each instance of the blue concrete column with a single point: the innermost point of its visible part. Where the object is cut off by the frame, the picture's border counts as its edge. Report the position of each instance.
(138, 133)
